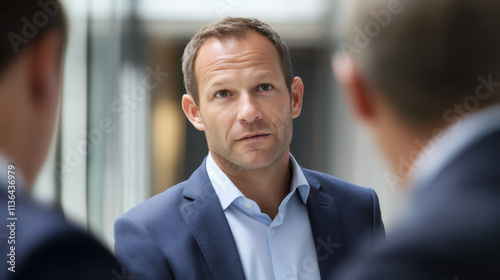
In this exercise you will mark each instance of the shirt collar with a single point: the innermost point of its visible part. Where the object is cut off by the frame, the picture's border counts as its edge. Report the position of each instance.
(456, 138)
(299, 181)
(228, 192)
(223, 186)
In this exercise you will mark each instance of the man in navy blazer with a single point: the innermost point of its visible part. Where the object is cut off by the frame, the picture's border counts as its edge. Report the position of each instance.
(249, 211)
(428, 85)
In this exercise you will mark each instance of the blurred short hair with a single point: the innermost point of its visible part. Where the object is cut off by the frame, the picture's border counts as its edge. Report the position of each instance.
(229, 28)
(426, 55)
(23, 22)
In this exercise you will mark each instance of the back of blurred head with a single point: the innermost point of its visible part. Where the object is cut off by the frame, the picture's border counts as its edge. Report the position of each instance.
(415, 66)
(32, 36)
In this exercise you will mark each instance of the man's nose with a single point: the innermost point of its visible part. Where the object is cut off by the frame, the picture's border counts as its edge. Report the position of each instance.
(248, 108)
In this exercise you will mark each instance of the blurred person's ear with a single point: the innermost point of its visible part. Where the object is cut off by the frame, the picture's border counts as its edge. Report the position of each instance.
(356, 92)
(192, 112)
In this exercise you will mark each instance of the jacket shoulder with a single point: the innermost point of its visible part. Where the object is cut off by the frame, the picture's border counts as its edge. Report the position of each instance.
(336, 186)
(157, 206)
(356, 204)
(44, 237)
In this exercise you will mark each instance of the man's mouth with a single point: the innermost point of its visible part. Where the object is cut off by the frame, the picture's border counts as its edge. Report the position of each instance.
(253, 136)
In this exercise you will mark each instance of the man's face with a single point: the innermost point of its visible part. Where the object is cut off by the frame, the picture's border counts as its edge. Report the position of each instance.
(244, 105)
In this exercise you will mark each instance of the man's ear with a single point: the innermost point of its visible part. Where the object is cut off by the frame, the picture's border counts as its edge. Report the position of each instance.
(45, 73)
(357, 93)
(296, 96)
(192, 113)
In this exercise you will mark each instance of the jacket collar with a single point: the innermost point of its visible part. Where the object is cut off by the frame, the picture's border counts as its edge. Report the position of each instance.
(205, 218)
(325, 225)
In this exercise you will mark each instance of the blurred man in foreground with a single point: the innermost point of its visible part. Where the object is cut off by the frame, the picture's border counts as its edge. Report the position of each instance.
(425, 77)
(249, 211)
(36, 242)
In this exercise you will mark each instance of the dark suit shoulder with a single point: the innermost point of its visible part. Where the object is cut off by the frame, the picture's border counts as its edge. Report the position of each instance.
(69, 254)
(357, 206)
(157, 206)
(49, 247)
(163, 208)
(152, 239)
(453, 228)
(340, 189)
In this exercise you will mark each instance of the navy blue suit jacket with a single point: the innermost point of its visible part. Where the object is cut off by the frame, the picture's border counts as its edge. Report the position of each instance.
(47, 246)
(453, 231)
(183, 233)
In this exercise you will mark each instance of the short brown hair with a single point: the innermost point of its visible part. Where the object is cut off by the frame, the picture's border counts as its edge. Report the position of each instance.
(227, 28)
(23, 22)
(429, 56)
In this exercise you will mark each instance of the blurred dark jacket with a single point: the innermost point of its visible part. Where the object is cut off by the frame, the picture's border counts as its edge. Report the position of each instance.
(46, 245)
(453, 230)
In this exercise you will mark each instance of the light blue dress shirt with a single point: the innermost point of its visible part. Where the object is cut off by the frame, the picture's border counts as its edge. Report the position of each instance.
(282, 248)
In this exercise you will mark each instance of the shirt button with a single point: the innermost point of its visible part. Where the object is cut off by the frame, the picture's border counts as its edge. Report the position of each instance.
(272, 232)
(248, 204)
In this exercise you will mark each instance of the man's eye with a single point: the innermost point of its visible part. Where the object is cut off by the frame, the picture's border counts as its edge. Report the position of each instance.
(222, 94)
(265, 87)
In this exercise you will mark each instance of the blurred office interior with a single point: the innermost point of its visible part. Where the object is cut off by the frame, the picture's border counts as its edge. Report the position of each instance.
(123, 136)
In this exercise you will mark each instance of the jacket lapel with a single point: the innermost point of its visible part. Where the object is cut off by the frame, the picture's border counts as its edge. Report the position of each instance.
(205, 218)
(326, 227)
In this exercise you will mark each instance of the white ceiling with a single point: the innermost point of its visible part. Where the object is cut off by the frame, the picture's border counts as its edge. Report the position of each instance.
(210, 10)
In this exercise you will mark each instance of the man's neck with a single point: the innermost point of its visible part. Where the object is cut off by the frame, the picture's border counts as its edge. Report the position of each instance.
(266, 186)
(407, 146)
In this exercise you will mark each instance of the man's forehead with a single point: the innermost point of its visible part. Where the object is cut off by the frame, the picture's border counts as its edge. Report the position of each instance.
(226, 43)
(256, 76)
(238, 52)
